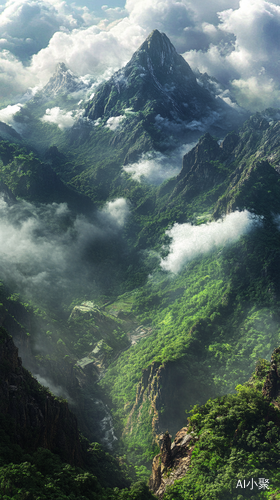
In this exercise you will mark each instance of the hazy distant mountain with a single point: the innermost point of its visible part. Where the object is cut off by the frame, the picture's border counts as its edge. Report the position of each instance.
(63, 81)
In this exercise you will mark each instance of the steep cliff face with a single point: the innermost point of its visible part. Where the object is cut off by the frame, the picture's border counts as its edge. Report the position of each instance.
(246, 188)
(227, 425)
(37, 418)
(164, 392)
(201, 169)
(148, 390)
(173, 460)
(240, 173)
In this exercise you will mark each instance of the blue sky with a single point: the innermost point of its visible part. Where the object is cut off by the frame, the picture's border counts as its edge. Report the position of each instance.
(237, 42)
(97, 4)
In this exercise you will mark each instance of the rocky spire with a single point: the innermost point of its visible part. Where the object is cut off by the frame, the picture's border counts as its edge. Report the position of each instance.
(63, 81)
(157, 53)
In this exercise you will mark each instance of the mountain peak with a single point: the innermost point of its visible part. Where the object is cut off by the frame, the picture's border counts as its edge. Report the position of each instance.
(157, 52)
(159, 85)
(63, 81)
(61, 68)
(157, 41)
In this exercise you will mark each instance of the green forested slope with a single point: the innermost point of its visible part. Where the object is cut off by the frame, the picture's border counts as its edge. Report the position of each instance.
(206, 324)
(235, 443)
(42, 454)
(210, 325)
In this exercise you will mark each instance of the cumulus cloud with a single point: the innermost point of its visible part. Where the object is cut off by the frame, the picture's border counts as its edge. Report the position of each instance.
(27, 25)
(7, 114)
(43, 248)
(257, 93)
(15, 78)
(156, 167)
(59, 117)
(164, 15)
(117, 211)
(250, 57)
(235, 41)
(114, 122)
(190, 241)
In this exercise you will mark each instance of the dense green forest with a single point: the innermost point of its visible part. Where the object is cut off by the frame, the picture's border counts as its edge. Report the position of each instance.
(236, 442)
(147, 305)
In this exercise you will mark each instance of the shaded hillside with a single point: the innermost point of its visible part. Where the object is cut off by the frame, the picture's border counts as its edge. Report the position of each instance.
(41, 452)
(29, 178)
(37, 418)
(240, 173)
(228, 445)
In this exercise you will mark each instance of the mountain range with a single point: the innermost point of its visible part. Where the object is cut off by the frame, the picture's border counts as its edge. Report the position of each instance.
(139, 300)
(154, 104)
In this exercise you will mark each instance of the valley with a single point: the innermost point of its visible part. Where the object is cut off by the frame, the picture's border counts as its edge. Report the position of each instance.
(140, 281)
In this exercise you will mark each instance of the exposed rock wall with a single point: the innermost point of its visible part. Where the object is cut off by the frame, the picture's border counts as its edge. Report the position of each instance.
(174, 459)
(149, 387)
(165, 391)
(172, 462)
(200, 169)
(37, 418)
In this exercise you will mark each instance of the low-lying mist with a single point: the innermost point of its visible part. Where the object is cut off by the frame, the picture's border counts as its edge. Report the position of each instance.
(48, 253)
(155, 167)
(190, 241)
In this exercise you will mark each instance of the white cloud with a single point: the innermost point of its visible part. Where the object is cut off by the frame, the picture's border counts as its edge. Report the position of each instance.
(170, 16)
(7, 114)
(206, 12)
(190, 241)
(149, 168)
(43, 248)
(251, 58)
(59, 117)
(231, 40)
(114, 122)
(27, 25)
(257, 93)
(117, 210)
(155, 167)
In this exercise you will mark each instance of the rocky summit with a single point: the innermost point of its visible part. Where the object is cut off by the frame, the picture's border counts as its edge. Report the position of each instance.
(160, 84)
(63, 82)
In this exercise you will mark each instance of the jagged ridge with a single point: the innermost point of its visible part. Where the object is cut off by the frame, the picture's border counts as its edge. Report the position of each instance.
(158, 82)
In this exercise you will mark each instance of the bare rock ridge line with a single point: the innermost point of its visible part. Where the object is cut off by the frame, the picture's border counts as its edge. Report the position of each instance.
(155, 72)
(158, 86)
